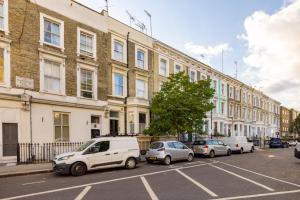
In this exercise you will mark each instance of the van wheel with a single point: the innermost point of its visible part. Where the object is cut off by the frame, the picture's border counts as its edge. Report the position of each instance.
(190, 157)
(167, 160)
(252, 149)
(130, 163)
(241, 151)
(78, 169)
(228, 152)
(211, 154)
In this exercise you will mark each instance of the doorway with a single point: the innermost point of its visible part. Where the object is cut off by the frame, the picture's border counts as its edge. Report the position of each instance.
(10, 139)
(114, 127)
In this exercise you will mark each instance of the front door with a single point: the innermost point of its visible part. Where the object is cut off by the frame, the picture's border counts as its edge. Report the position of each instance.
(10, 138)
(114, 127)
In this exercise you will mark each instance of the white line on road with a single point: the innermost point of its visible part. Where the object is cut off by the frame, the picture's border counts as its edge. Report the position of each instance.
(244, 178)
(97, 183)
(83, 193)
(270, 177)
(259, 195)
(33, 183)
(149, 189)
(197, 184)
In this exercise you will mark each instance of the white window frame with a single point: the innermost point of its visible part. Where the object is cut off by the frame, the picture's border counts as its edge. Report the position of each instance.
(123, 42)
(94, 51)
(61, 31)
(167, 66)
(44, 57)
(177, 64)
(95, 80)
(145, 51)
(69, 125)
(124, 83)
(190, 74)
(146, 86)
(5, 17)
(6, 64)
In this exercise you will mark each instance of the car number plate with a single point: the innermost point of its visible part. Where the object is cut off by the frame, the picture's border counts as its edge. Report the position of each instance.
(152, 158)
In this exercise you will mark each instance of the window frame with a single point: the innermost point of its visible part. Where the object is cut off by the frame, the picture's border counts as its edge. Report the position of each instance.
(175, 65)
(113, 49)
(95, 80)
(114, 84)
(61, 125)
(145, 88)
(167, 66)
(94, 43)
(6, 65)
(42, 31)
(145, 51)
(5, 28)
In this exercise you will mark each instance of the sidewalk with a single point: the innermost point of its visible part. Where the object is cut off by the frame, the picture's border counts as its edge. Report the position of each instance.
(18, 170)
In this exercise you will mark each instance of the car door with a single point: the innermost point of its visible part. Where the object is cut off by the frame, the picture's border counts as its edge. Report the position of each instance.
(222, 148)
(171, 149)
(99, 155)
(179, 150)
(216, 147)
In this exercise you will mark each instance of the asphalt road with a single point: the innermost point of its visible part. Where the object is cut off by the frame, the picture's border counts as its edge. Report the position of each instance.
(265, 174)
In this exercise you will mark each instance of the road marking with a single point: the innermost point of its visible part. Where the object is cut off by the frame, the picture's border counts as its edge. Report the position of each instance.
(259, 195)
(98, 183)
(149, 189)
(270, 177)
(83, 193)
(191, 163)
(244, 178)
(197, 184)
(33, 183)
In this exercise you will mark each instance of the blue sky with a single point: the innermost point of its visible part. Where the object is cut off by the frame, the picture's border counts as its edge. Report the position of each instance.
(204, 26)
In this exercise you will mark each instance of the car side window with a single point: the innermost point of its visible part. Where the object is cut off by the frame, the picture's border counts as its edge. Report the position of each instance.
(100, 147)
(171, 145)
(220, 143)
(178, 145)
(214, 142)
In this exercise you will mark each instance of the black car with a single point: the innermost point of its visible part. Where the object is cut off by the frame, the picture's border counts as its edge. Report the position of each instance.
(277, 142)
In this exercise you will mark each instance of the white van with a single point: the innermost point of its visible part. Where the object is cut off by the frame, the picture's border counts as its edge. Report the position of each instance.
(99, 153)
(239, 144)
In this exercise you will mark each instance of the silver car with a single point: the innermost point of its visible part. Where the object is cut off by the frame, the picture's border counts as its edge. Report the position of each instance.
(211, 148)
(168, 151)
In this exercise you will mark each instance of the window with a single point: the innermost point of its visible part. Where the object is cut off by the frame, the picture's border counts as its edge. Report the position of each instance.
(86, 83)
(87, 43)
(178, 145)
(61, 126)
(1, 66)
(99, 147)
(215, 104)
(51, 32)
(177, 68)
(192, 76)
(140, 88)
(231, 92)
(215, 85)
(223, 89)
(52, 79)
(223, 107)
(118, 51)
(163, 67)
(140, 59)
(118, 84)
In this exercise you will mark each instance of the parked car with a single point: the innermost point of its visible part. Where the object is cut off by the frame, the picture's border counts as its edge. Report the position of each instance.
(297, 151)
(239, 144)
(99, 153)
(168, 151)
(292, 143)
(211, 148)
(277, 142)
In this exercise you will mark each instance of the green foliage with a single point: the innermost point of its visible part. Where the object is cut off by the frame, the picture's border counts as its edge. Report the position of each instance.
(180, 106)
(295, 125)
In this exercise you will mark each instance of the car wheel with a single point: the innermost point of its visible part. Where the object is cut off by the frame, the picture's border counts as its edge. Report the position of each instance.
(78, 169)
(130, 163)
(241, 151)
(190, 157)
(252, 149)
(228, 152)
(167, 160)
(211, 154)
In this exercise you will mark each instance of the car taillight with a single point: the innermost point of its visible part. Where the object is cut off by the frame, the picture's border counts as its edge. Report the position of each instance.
(206, 147)
(161, 149)
(237, 145)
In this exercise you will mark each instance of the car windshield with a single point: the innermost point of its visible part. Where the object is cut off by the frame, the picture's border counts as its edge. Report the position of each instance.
(201, 142)
(85, 145)
(156, 145)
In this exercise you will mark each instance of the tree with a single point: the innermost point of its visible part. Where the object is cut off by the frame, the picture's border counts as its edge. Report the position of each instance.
(295, 126)
(180, 106)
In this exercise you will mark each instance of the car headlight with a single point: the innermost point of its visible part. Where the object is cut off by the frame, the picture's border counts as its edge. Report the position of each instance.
(65, 157)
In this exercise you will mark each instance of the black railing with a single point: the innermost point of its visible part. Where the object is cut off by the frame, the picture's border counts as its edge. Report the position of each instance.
(43, 152)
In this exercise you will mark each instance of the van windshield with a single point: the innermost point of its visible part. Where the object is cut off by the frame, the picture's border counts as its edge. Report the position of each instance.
(156, 145)
(85, 145)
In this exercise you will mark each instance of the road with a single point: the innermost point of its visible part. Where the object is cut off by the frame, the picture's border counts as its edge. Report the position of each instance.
(265, 174)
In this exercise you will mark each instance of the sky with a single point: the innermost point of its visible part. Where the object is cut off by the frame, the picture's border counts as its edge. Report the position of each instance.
(261, 36)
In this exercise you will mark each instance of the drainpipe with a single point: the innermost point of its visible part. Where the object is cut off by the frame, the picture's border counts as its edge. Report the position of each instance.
(127, 79)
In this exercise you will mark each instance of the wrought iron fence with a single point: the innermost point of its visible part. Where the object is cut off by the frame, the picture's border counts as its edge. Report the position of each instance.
(43, 152)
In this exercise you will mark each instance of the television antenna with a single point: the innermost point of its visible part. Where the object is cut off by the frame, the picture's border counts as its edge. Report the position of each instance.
(131, 17)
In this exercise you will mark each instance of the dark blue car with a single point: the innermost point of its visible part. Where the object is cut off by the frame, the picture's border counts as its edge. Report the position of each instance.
(278, 143)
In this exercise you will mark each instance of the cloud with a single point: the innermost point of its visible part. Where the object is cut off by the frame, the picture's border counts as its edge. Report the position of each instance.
(206, 53)
(273, 58)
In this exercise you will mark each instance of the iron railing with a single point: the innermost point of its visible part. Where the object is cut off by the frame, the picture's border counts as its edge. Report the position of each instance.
(43, 152)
